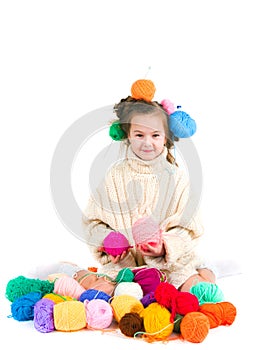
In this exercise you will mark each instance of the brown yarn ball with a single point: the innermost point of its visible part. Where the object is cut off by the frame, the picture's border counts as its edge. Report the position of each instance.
(131, 323)
(143, 89)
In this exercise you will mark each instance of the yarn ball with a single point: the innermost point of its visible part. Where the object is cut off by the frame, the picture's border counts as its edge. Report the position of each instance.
(99, 313)
(21, 285)
(115, 243)
(181, 124)
(156, 320)
(177, 302)
(168, 106)
(148, 278)
(69, 316)
(91, 294)
(131, 323)
(116, 132)
(22, 308)
(129, 288)
(177, 323)
(194, 327)
(43, 316)
(219, 314)
(68, 286)
(148, 299)
(57, 298)
(207, 292)
(146, 230)
(143, 89)
(125, 275)
(123, 304)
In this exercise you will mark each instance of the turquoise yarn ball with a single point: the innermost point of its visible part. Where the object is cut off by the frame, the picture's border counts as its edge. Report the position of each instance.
(22, 308)
(207, 292)
(181, 124)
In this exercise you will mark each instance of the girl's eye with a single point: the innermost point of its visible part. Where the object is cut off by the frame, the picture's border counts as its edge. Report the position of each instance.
(138, 135)
(156, 135)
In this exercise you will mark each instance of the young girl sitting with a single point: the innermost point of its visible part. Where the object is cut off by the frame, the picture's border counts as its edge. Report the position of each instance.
(147, 185)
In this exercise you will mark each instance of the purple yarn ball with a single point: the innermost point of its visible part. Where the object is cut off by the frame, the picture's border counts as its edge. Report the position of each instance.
(43, 316)
(148, 299)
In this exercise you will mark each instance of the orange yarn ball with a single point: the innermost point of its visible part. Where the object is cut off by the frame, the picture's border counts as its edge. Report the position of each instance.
(143, 89)
(194, 327)
(219, 314)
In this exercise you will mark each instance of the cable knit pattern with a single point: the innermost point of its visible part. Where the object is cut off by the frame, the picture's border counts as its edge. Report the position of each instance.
(133, 188)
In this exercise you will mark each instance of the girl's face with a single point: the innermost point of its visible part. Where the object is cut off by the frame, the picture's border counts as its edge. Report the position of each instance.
(147, 135)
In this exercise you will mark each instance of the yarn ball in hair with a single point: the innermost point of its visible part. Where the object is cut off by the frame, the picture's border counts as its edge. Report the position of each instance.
(148, 278)
(68, 286)
(207, 292)
(168, 106)
(116, 132)
(156, 320)
(91, 294)
(21, 285)
(194, 327)
(148, 299)
(181, 124)
(129, 288)
(131, 323)
(143, 89)
(125, 275)
(219, 314)
(146, 230)
(57, 298)
(43, 316)
(69, 316)
(123, 304)
(115, 243)
(99, 314)
(22, 308)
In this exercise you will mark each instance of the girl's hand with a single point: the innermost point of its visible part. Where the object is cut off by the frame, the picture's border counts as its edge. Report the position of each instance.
(115, 259)
(152, 248)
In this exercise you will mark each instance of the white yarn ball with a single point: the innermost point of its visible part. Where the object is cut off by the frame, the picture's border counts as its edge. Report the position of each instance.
(129, 288)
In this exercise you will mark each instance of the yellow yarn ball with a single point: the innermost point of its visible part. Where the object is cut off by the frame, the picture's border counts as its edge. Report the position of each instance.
(56, 298)
(69, 316)
(122, 304)
(157, 321)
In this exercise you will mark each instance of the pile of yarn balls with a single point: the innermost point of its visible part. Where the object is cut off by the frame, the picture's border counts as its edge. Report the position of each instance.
(143, 305)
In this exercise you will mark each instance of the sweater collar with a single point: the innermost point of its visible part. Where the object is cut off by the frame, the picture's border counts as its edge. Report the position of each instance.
(146, 166)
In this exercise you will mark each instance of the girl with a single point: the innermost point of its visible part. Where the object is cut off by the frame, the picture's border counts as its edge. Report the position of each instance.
(148, 184)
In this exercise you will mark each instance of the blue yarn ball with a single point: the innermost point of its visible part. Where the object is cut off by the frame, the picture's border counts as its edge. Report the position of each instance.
(181, 124)
(22, 308)
(91, 294)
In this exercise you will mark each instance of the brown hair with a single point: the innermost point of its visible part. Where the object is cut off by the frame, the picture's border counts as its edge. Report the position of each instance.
(130, 106)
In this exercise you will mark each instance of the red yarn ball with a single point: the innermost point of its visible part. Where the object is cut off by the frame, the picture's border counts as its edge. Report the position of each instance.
(178, 302)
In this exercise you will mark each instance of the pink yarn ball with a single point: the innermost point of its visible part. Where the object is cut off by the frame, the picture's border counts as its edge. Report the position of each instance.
(115, 243)
(68, 286)
(168, 106)
(99, 313)
(146, 230)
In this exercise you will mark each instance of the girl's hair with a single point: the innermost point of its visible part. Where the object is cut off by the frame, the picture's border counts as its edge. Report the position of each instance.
(130, 106)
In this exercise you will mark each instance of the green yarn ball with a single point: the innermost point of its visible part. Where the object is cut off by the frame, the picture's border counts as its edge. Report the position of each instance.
(125, 275)
(21, 285)
(116, 132)
(207, 292)
(177, 322)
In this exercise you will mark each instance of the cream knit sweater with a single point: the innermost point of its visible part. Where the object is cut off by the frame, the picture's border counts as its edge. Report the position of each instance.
(133, 188)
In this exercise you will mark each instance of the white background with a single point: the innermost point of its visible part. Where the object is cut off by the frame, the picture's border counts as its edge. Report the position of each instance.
(62, 59)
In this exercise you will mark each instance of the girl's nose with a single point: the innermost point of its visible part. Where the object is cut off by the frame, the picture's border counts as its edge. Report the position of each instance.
(147, 140)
